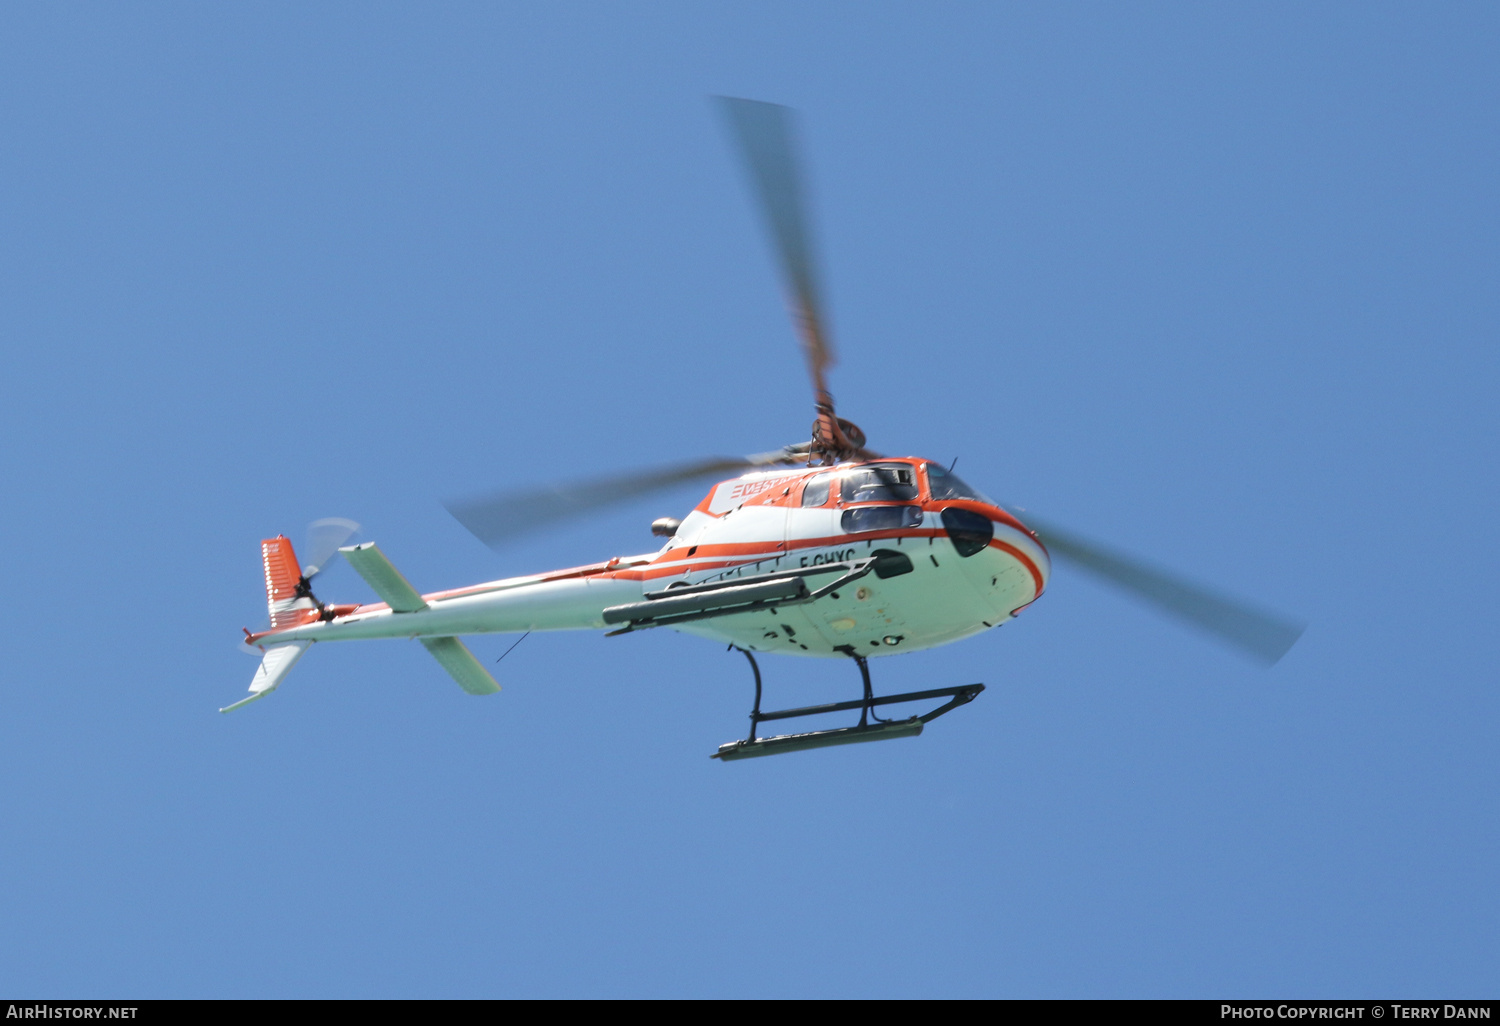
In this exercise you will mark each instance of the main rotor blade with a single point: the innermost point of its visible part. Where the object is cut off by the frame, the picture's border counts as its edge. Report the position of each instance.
(500, 517)
(1264, 636)
(765, 134)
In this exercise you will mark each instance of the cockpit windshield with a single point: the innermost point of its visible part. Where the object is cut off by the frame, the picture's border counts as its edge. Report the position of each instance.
(879, 482)
(945, 484)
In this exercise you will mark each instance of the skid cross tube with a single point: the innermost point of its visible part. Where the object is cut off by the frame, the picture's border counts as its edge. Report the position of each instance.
(863, 731)
(755, 716)
(864, 675)
(963, 693)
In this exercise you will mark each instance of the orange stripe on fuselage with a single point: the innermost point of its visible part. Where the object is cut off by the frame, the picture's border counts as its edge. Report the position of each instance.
(773, 550)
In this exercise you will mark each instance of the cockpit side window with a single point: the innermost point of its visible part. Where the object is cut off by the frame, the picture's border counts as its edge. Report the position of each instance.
(947, 485)
(879, 482)
(816, 492)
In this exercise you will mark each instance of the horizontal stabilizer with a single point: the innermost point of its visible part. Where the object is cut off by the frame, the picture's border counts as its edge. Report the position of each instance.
(381, 575)
(278, 662)
(461, 665)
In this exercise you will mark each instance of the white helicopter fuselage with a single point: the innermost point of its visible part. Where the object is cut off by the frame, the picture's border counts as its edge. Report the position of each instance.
(968, 566)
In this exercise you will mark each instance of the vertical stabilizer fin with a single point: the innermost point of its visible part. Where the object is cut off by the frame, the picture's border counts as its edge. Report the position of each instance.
(461, 665)
(274, 667)
(287, 604)
(380, 574)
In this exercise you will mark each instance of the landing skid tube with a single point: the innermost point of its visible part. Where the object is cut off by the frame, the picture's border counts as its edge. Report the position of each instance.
(865, 730)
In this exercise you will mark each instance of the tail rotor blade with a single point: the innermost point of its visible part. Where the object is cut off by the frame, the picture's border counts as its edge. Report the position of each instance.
(766, 138)
(323, 540)
(1263, 636)
(500, 517)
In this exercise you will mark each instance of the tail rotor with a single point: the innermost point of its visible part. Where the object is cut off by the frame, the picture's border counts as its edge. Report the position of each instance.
(323, 540)
(324, 537)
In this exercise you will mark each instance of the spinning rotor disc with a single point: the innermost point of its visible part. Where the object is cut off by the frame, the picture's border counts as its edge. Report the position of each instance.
(765, 137)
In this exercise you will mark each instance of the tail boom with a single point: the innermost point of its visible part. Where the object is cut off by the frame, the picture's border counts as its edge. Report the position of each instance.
(566, 600)
(502, 607)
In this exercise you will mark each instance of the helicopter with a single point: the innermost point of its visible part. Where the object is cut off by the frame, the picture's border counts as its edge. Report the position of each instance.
(824, 548)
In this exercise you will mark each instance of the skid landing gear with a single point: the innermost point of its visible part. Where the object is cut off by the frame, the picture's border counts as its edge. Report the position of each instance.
(871, 727)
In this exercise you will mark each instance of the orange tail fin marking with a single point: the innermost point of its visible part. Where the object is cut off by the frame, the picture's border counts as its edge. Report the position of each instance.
(282, 571)
(282, 575)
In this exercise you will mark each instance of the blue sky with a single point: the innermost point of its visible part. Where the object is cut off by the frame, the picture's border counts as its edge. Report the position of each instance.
(1215, 284)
